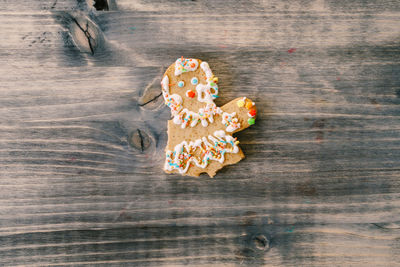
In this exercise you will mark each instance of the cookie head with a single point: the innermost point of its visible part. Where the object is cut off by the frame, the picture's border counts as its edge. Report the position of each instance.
(189, 84)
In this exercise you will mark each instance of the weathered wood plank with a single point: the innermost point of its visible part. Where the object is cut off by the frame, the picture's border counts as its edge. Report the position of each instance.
(288, 245)
(320, 184)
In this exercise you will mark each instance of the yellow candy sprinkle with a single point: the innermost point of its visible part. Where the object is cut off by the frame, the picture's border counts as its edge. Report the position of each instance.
(240, 103)
(215, 79)
(237, 142)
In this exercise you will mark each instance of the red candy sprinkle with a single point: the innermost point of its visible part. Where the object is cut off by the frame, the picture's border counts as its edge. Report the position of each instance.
(191, 94)
(252, 112)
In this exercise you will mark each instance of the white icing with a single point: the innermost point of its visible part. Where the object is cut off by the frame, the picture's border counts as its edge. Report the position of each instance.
(207, 92)
(165, 84)
(230, 121)
(183, 65)
(208, 112)
(174, 101)
(184, 117)
(206, 68)
(203, 93)
(213, 148)
(204, 115)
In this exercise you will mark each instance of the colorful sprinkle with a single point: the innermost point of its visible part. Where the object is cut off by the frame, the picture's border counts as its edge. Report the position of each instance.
(212, 148)
(194, 81)
(249, 105)
(240, 103)
(190, 93)
(252, 112)
(181, 83)
(183, 65)
(230, 121)
(251, 121)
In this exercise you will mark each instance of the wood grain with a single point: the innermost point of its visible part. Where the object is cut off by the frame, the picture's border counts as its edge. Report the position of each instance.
(320, 182)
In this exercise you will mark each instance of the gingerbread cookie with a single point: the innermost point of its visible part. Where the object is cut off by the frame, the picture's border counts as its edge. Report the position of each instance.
(200, 133)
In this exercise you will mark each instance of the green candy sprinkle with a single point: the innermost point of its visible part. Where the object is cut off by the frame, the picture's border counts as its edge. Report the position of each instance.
(251, 121)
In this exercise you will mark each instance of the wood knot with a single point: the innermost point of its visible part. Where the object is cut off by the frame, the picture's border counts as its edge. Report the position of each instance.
(152, 96)
(86, 35)
(261, 242)
(140, 140)
(101, 5)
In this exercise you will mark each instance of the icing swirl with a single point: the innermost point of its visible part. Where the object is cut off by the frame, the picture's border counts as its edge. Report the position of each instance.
(174, 102)
(213, 148)
(207, 92)
(230, 121)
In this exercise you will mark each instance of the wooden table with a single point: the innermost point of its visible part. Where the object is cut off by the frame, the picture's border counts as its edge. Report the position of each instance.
(83, 130)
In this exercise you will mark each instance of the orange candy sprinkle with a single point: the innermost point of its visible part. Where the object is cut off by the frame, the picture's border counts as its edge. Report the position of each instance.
(249, 104)
(191, 94)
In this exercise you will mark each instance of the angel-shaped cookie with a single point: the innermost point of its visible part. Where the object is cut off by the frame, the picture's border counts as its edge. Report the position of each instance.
(200, 133)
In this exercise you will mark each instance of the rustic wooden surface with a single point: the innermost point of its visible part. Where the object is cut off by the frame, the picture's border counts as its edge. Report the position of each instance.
(82, 134)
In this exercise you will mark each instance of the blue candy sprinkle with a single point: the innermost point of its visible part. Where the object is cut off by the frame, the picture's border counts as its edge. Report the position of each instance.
(194, 81)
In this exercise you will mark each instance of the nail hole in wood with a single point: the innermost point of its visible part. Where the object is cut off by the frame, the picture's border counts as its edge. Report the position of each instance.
(261, 242)
(140, 140)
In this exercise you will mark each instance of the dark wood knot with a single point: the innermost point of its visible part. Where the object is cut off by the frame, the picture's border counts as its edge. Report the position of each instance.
(261, 242)
(101, 5)
(152, 97)
(86, 35)
(140, 140)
